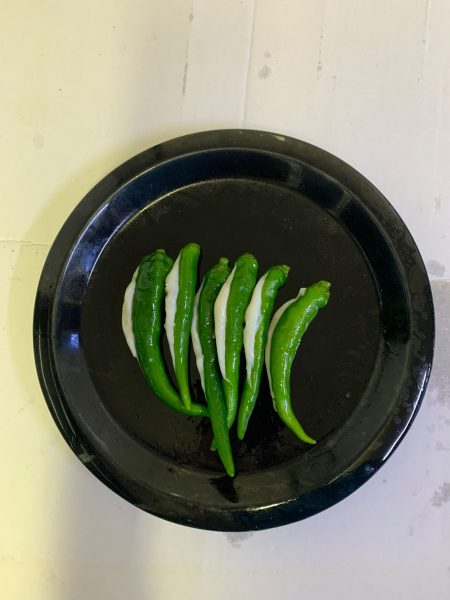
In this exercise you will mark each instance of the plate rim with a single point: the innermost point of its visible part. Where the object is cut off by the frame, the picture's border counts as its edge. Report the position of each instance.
(54, 266)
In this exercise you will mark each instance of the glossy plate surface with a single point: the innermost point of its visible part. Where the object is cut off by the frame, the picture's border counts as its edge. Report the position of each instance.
(358, 378)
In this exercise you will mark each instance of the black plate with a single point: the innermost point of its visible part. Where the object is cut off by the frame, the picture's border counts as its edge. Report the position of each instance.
(358, 379)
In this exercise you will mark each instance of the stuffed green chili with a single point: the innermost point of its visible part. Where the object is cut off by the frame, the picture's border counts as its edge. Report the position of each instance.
(229, 311)
(181, 283)
(257, 321)
(203, 338)
(286, 330)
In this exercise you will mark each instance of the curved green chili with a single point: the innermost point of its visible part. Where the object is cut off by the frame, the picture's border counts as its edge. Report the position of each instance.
(147, 318)
(181, 284)
(285, 334)
(229, 313)
(206, 355)
(257, 321)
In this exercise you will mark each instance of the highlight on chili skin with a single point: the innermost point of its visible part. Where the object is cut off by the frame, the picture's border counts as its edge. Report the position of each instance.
(228, 311)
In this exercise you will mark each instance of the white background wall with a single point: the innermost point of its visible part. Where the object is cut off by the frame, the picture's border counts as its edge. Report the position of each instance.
(84, 86)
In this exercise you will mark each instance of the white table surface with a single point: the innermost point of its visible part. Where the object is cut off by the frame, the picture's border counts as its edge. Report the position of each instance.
(84, 86)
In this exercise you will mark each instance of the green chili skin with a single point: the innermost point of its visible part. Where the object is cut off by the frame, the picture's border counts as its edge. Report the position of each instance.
(212, 283)
(285, 336)
(187, 264)
(241, 288)
(147, 324)
(270, 283)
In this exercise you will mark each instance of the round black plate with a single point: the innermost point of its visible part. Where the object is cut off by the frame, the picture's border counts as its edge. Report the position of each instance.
(358, 378)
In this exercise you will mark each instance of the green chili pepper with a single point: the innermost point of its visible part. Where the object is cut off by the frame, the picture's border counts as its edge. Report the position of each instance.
(181, 284)
(146, 319)
(229, 313)
(285, 334)
(206, 355)
(257, 321)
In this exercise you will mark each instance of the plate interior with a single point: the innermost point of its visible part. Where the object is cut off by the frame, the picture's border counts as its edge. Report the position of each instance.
(337, 357)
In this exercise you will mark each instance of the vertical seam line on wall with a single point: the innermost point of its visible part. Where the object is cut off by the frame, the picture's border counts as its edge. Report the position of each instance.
(249, 61)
